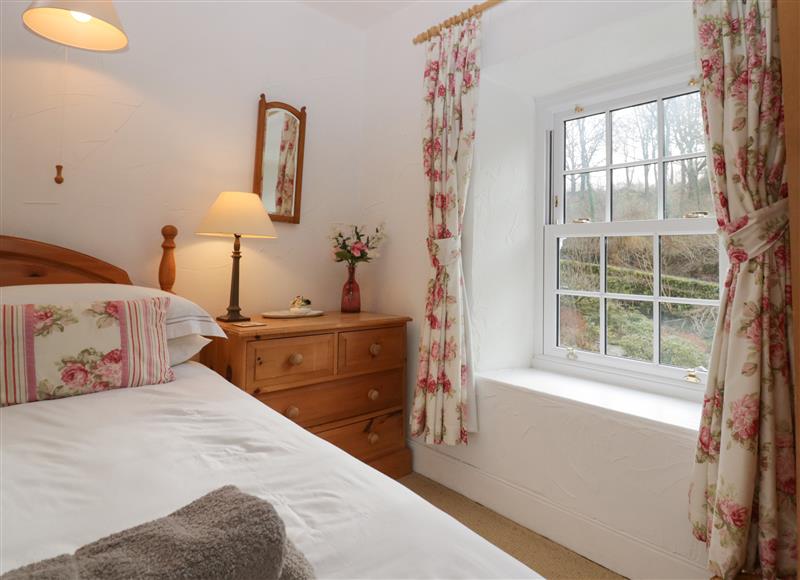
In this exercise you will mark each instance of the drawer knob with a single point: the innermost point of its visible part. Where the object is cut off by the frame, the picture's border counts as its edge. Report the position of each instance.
(374, 349)
(373, 394)
(296, 359)
(292, 412)
(372, 438)
(259, 361)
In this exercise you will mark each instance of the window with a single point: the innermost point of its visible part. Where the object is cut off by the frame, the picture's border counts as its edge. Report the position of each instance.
(633, 261)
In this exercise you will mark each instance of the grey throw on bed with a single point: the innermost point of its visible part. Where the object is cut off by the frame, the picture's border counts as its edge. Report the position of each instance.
(224, 534)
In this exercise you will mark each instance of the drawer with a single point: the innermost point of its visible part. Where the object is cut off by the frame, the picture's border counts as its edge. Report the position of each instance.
(326, 402)
(369, 438)
(368, 350)
(283, 362)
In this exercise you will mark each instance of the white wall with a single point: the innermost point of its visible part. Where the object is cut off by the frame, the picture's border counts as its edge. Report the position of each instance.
(153, 134)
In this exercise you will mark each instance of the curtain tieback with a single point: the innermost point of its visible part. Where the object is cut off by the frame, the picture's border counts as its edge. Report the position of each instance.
(757, 232)
(444, 251)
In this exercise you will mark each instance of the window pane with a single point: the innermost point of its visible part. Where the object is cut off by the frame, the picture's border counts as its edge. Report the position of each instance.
(683, 125)
(585, 195)
(686, 334)
(579, 264)
(690, 266)
(634, 133)
(630, 329)
(634, 193)
(687, 188)
(579, 322)
(585, 142)
(629, 261)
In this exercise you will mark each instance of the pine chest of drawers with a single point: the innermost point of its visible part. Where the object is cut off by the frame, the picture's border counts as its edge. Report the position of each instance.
(341, 376)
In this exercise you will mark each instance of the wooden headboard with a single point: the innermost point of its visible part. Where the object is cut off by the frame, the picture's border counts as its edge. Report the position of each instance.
(24, 261)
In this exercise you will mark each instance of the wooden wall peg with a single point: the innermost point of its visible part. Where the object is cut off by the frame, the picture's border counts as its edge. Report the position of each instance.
(58, 178)
(166, 270)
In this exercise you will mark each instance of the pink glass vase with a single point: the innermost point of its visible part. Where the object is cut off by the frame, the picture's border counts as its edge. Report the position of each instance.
(351, 293)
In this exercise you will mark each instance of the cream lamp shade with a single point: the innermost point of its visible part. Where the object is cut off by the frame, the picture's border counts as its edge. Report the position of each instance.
(87, 24)
(237, 213)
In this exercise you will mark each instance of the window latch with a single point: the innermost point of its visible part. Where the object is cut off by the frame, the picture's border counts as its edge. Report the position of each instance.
(695, 214)
(691, 376)
(571, 354)
(582, 220)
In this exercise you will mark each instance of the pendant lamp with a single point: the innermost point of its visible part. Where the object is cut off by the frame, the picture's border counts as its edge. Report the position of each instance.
(86, 24)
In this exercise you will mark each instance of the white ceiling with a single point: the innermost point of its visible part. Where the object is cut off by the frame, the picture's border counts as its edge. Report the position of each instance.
(360, 13)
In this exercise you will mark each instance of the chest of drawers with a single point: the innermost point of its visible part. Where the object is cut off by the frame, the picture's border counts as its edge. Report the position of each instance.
(341, 376)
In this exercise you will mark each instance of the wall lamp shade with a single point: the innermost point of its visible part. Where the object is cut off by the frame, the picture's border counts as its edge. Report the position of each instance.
(87, 24)
(237, 213)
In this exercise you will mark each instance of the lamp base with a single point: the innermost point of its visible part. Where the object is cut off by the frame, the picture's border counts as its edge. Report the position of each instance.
(231, 317)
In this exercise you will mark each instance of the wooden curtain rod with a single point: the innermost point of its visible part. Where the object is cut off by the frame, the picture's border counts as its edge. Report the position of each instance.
(457, 19)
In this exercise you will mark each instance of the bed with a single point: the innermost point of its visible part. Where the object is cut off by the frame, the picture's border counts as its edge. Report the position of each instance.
(75, 469)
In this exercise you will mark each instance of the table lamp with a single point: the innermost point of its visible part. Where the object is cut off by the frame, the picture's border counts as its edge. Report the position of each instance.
(238, 214)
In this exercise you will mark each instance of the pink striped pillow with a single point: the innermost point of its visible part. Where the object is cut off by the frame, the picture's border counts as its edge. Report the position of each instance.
(53, 351)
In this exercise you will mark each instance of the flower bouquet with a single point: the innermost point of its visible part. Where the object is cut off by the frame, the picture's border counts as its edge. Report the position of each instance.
(352, 244)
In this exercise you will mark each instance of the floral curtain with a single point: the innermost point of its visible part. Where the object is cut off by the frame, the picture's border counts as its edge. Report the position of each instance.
(443, 410)
(284, 186)
(743, 494)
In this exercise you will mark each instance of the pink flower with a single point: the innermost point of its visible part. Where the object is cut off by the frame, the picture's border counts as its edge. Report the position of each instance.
(705, 439)
(708, 33)
(777, 355)
(733, 23)
(450, 349)
(767, 552)
(744, 417)
(42, 319)
(358, 248)
(753, 331)
(737, 255)
(707, 67)
(444, 380)
(732, 513)
(75, 376)
(719, 164)
(109, 370)
(435, 350)
(113, 356)
(780, 255)
(433, 321)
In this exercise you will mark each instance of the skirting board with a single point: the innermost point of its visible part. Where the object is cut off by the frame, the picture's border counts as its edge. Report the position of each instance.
(617, 551)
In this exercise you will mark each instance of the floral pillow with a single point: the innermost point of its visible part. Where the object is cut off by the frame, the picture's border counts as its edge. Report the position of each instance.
(53, 351)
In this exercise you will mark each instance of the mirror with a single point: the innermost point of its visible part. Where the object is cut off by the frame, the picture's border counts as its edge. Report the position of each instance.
(278, 174)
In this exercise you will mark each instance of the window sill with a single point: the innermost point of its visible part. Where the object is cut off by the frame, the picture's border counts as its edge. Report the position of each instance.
(653, 407)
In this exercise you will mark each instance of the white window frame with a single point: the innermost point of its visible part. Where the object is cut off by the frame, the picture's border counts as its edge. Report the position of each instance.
(645, 373)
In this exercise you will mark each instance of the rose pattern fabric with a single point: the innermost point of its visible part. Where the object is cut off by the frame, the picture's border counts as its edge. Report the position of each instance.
(53, 351)
(287, 154)
(742, 498)
(443, 408)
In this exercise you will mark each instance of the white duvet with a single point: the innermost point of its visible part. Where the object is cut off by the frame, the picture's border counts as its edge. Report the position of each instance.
(76, 469)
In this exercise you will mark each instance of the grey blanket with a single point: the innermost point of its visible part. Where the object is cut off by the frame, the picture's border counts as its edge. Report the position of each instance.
(225, 534)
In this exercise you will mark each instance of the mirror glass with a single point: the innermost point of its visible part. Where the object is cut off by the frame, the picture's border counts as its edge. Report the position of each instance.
(279, 159)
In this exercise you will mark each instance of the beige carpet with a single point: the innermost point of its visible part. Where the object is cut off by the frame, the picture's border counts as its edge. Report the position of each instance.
(549, 559)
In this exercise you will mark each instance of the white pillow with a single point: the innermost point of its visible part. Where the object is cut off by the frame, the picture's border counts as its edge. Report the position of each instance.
(184, 317)
(183, 348)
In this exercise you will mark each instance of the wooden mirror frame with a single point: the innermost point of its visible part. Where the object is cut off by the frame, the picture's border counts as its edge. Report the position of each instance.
(258, 177)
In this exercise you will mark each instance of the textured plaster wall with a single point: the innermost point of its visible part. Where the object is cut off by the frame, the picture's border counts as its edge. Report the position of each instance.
(151, 135)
